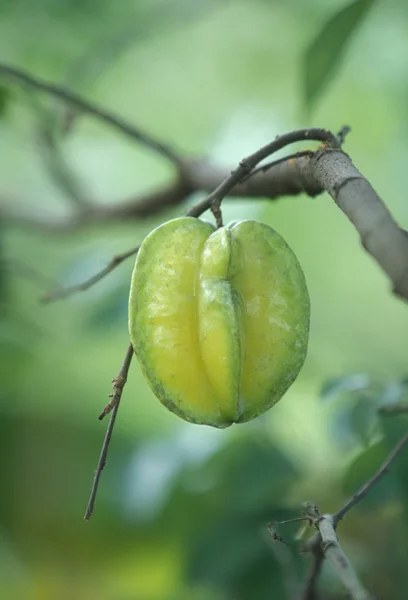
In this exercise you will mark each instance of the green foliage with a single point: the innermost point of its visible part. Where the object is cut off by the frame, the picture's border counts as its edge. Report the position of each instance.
(5, 100)
(366, 462)
(345, 383)
(363, 419)
(326, 52)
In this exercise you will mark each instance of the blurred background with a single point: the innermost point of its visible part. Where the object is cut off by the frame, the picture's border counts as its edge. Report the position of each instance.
(182, 509)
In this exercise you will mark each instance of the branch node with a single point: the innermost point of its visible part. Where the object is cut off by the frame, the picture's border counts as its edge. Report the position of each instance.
(118, 385)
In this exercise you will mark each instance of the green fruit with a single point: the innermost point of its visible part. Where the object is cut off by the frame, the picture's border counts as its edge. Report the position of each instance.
(218, 319)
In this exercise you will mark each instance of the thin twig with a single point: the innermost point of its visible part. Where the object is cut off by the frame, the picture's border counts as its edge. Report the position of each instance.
(274, 163)
(291, 157)
(118, 385)
(83, 105)
(344, 131)
(58, 169)
(362, 493)
(297, 519)
(58, 294)
(50, 151)
(247, 164)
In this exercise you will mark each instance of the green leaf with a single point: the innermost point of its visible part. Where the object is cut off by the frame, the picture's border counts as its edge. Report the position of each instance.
(363, 418)
(326, 51)
(5, 100)
(234, 555)
(352, 382)
(362, 469)
(392, 393)
(252, 474)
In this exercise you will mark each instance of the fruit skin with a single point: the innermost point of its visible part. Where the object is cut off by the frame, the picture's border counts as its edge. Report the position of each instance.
(218, 319)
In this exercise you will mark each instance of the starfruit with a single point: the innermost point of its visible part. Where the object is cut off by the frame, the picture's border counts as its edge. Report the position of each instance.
(218, 318)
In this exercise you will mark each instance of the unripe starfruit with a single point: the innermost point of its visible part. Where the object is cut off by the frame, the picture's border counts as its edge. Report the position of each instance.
(218, 318)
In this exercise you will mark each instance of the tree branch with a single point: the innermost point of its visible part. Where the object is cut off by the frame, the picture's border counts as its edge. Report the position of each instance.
(53, 159)
(380, 235)
(118, 384)
(291, 177)
(328, 169)
(281, 169)
(325, 544)
(59, 294)
(247, 164)
(334, 553)
(59, 171)
(23, 78)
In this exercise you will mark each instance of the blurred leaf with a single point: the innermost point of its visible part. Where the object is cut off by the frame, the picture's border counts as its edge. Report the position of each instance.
(324, 54)
(152, 19)
(196, 593)
(234, 555)
(110, 311)
(3, 279)
(392, 393)
(253, 474)
(363, 417)
(395, 428)
(363, 468)
(346, 383)
(5, 97)
(228, 548)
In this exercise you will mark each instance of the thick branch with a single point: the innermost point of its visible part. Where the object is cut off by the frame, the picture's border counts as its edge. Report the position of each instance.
(335, 555)
(326, 169)
(291, 177)
(380, 235)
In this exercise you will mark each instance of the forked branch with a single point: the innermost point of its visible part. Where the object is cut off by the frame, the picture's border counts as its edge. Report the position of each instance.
(325, 544)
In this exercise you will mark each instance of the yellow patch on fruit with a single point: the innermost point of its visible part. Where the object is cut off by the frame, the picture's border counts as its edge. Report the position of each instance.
(218, 319)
